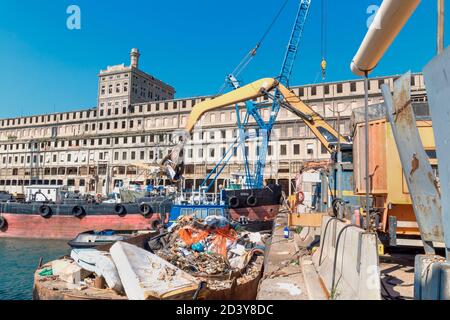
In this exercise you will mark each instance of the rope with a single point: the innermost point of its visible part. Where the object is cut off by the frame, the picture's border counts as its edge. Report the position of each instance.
(252, 53)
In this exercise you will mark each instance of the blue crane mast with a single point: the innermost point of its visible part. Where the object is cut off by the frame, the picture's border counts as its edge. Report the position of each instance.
(254, 109)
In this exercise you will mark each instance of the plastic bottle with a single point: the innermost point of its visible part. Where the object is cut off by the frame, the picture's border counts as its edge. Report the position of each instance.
(286, 233)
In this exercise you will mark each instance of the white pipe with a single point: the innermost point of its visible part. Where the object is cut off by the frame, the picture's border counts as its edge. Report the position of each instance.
(389, 20)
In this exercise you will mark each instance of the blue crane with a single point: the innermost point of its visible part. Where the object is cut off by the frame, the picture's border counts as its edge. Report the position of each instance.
(254, 111)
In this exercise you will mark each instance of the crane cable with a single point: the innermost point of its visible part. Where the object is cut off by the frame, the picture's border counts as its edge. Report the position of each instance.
(252, 53)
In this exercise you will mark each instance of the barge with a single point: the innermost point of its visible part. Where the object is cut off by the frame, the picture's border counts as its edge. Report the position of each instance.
(65, 220)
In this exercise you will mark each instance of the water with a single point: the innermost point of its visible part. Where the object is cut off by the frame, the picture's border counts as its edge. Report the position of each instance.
(18, 262)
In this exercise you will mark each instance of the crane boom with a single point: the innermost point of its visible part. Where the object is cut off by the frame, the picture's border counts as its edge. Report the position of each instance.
(256, 180)
(292, 49)
(326, 134)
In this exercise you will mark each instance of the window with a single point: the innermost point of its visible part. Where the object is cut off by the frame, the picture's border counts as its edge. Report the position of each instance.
(283, 150)
(142, 156)
(310, 148)
(212, 153)
(339, 88)
(352, 86)
(296, 149)
(327, 89)
(124, 156)
(200, 153)
(313, 91)
(269, 150)
(133, 155)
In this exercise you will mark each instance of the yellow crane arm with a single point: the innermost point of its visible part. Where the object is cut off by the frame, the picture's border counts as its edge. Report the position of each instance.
(326, 134)
(251, 91)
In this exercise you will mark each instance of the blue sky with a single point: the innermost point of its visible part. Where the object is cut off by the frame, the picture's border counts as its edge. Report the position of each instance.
(190, 44)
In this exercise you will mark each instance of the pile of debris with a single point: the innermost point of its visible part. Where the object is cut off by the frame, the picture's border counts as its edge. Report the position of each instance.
(212, 247)
(192, 259)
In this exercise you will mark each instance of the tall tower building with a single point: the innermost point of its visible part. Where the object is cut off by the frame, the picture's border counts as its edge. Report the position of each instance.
(121, 86)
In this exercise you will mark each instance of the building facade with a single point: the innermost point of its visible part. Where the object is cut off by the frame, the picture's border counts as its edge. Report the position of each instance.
(135, 124)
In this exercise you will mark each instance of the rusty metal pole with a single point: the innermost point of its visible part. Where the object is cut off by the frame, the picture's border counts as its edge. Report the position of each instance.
(440, 26)
(366, 118)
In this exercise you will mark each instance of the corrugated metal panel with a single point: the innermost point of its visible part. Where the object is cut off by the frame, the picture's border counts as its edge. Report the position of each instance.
(377, 158)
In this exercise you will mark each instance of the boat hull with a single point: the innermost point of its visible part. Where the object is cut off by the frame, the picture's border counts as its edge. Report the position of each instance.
(254, 204)
(25, 220)
(260, 213)
(68, 227)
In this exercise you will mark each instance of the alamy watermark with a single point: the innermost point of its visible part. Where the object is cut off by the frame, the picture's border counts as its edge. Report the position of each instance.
(373, 22)
(73, 21)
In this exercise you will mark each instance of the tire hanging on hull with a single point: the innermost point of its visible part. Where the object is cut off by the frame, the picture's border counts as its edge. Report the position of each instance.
(45, 211)
(120, 210)
(233, 202)
(78, 211)
(3, 223)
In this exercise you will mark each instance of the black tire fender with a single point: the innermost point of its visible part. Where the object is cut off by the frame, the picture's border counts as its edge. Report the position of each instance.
(78, 211)
(45, 211)
(120, 209)
(146, 209)
(233, 202)
(252, 201)
(3, 223)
